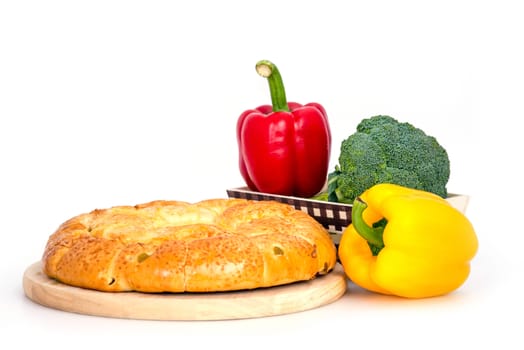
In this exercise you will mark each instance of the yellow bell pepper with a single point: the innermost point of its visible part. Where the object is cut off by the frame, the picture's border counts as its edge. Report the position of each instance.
(407, 242)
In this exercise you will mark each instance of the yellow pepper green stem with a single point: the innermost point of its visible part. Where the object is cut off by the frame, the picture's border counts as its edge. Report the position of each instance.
(269, 70)
(371, 234)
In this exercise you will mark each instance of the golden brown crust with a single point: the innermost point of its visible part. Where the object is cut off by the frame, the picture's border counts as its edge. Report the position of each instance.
(174, 246)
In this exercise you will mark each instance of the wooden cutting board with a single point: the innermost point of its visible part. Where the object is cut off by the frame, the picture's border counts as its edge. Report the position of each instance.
(262, 302)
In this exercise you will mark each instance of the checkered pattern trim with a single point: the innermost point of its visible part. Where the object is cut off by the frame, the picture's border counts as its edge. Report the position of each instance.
(335, 217)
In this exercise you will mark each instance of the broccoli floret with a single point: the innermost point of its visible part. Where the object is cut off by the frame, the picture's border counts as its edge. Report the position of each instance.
(383, 150)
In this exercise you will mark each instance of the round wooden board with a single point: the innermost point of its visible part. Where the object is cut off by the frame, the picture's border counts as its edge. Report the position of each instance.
(262, 302)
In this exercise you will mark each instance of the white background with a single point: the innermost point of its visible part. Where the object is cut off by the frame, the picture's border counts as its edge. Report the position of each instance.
(120, 102)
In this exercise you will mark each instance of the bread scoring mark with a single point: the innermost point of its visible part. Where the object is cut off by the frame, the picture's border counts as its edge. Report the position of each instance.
(325, 269)
(278, 251)
(143, 256)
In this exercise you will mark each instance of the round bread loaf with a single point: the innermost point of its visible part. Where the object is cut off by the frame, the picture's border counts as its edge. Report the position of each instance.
(173, 246)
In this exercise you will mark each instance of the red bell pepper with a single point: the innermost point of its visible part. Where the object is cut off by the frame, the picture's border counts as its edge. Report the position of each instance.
(284, 148)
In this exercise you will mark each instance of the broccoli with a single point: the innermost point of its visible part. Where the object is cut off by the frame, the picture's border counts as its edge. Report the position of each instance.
(383, 150)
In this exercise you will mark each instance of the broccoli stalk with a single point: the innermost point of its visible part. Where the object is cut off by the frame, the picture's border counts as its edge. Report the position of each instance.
(383, 150)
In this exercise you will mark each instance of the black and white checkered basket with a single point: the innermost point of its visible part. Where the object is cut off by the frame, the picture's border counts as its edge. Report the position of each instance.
(335, 217)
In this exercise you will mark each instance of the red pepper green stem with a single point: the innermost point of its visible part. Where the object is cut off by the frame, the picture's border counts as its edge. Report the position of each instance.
(268, 70)
(371, 234)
